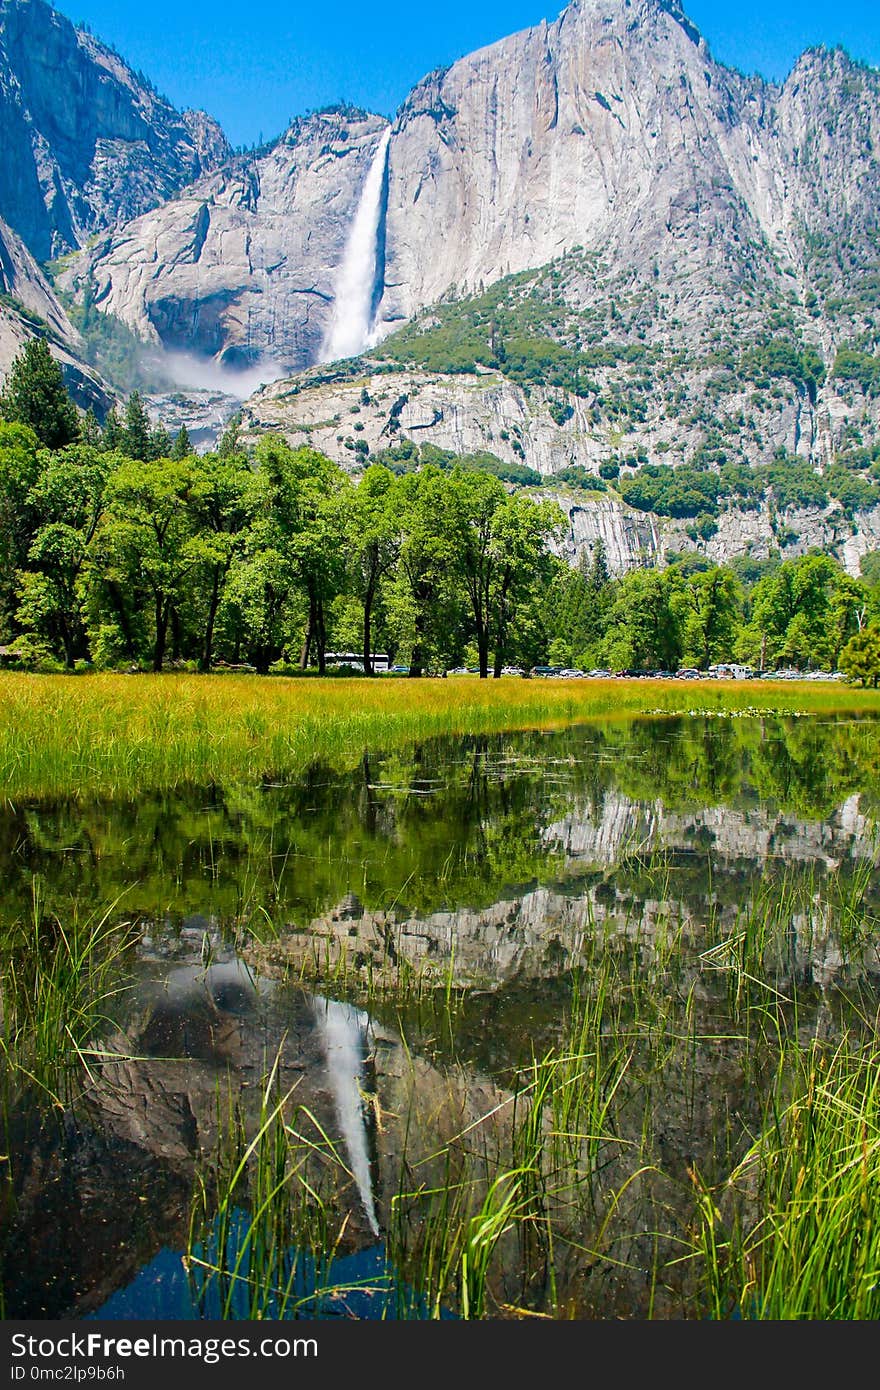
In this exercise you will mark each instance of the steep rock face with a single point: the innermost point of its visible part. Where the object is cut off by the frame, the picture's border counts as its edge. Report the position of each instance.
(634, 539)
(467, 414)
(611, 129)
(28, 307)
(606, 128)
(541, 931)
(484, 410)
(86, 142)
(716, 216)
(241, 265)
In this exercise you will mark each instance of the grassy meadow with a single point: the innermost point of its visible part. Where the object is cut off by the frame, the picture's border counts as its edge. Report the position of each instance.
(116, 734)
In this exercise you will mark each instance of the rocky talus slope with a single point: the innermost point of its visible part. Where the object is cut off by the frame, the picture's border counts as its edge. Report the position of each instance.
(486, 412)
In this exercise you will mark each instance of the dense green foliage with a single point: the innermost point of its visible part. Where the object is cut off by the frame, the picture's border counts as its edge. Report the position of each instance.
(694, 490)
(519, 326)
(123, 548)
(132, 551)
(408, 456)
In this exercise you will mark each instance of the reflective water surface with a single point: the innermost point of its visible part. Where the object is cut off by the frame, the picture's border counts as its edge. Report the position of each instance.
(394, 946)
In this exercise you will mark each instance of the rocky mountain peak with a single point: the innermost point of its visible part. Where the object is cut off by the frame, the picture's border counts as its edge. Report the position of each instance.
(86, 141)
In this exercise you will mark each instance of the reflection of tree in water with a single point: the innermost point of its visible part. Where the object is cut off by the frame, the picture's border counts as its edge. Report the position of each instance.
(452, 821)
(615, 825)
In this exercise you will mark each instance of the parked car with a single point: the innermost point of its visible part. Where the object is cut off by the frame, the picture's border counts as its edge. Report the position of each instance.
(688, 673)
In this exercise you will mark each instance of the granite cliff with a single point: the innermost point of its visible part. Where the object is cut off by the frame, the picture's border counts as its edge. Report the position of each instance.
(612, 130)
(28, 306)
(86, 141)
(590, 244)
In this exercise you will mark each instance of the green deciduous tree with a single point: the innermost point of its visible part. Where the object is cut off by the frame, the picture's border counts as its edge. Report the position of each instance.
(644, 628)
(522, 564)
(19, 470)
(68, 498)
(791, 615)
(425, 601)
(709, 608)
(223, 497)
(860, 658)
(145, 543)
(373, 544)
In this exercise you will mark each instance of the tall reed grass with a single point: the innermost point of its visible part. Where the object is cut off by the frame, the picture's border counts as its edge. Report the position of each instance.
(697, 1134)
(112, 734)
(60, 982)
(793, 1232)
(265, 1223)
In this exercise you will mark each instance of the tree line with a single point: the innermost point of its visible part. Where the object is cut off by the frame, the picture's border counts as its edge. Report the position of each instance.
(122, 548)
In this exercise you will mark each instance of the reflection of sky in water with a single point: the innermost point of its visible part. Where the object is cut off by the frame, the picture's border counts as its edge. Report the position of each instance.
(498, 861)
(359, 1285)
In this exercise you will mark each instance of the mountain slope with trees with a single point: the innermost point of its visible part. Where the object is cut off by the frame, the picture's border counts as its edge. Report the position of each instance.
(123, 549)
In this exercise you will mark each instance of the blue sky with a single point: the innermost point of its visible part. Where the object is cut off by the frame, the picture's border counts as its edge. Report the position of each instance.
(253, 66)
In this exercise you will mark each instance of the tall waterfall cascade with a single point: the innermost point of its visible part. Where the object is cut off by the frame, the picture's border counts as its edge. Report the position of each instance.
(353, 324)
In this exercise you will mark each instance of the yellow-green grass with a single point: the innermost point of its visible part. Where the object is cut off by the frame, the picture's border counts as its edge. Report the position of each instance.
(114, 734)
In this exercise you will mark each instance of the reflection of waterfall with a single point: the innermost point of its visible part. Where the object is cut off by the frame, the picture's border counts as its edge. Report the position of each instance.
(344, 1030)
(352, 327)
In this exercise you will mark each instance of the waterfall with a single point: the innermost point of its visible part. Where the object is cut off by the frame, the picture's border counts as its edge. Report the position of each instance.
(344, 1030)
(352, 327)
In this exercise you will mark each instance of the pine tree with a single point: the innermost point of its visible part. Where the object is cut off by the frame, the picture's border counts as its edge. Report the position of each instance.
(34, 394)
(90, 429)
(229, 441)
(599, 574)
(160, 443)
(182, 445)
(112, 438)
(137, 442)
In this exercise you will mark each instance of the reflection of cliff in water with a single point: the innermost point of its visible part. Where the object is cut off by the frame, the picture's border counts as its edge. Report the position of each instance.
(454, 823)
(500, 863)
(102, 1191)
(197, 1042)
(624, 870)
(194, 1050)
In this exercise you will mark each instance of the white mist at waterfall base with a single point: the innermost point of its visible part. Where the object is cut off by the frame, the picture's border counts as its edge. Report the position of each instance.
(352, 327)
(344, 1031)
(194, 373)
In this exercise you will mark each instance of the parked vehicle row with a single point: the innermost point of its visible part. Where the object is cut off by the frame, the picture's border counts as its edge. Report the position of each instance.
(724, 671)
(687, 673)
